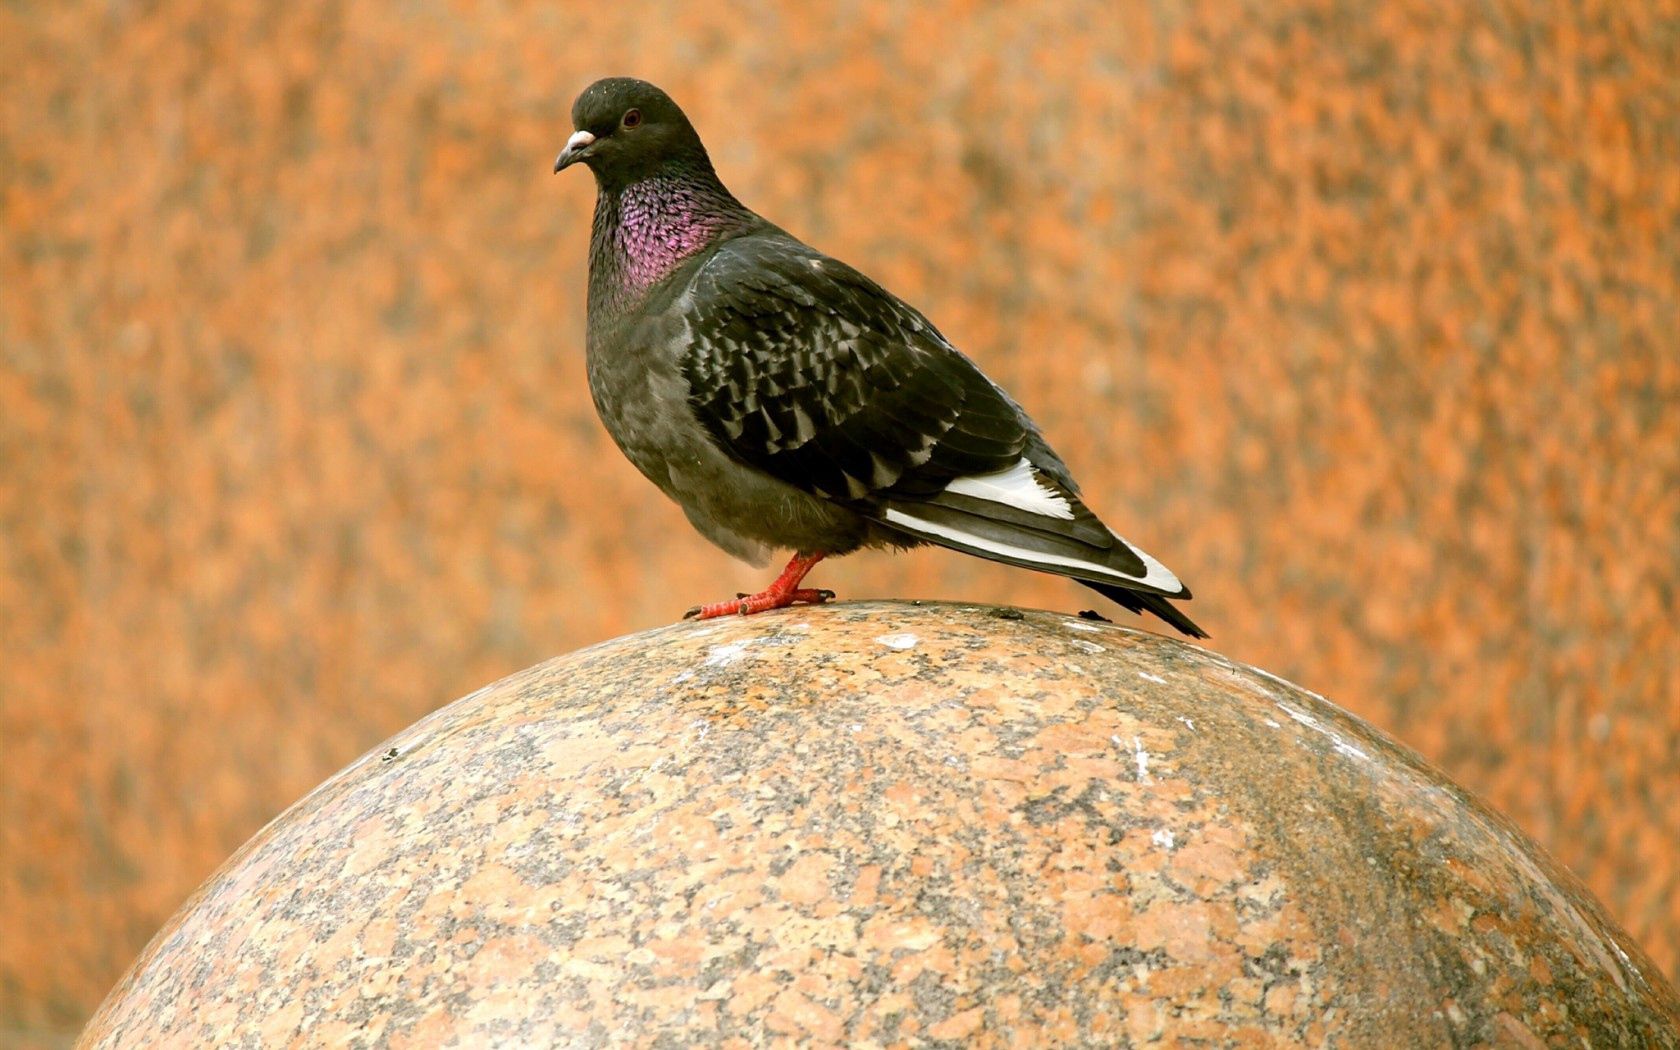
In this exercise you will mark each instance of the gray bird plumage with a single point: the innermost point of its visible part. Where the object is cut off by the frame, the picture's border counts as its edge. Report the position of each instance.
(784, 400)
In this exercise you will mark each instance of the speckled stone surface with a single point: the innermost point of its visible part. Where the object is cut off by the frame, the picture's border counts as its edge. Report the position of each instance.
(891, 824)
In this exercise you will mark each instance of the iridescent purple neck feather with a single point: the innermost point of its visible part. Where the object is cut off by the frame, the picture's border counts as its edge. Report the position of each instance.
(644, 231)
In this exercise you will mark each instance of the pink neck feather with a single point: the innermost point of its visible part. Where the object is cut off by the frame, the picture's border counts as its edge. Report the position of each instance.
(661, 223)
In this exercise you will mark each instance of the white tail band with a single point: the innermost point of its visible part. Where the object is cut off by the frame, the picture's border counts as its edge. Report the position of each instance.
(1019, 487)
(1156, 575)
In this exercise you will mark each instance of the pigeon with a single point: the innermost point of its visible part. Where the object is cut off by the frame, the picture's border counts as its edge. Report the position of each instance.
(785, 401)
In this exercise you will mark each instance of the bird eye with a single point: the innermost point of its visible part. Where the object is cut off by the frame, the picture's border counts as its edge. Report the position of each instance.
(632, 119)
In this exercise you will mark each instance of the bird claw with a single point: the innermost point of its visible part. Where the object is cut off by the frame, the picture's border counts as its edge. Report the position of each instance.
(749, 604)
(785, 591)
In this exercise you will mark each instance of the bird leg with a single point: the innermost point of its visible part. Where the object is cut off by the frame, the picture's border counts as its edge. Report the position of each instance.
(780, 594)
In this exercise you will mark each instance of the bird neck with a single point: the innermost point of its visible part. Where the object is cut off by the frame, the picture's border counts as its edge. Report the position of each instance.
(644, 230)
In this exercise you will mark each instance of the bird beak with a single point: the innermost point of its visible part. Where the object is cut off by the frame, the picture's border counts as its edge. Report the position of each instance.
(575, 147)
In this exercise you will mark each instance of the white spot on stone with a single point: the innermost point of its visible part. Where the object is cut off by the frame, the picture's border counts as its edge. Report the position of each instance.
(1274, 724)
(1336, 741)
(1080, 625)
(724, 655)
(1620, 954)
(1191, 725)
(1146, 676)
(1142, 758)
(1162, 838)
(1087, 647)
(899, 641)
(718, 990)
(1301, 716)
(396, 751)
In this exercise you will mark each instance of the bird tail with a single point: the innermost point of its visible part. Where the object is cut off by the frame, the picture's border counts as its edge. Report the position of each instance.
(1141, 602)
(1021, 517)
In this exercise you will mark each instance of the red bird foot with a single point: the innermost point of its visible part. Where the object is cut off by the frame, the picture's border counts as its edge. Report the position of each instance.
(779, 595)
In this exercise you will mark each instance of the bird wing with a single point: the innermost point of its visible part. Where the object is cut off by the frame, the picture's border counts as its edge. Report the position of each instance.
(802, 367)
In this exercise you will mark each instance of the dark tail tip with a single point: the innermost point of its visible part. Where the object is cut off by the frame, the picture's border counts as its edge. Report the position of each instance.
(1141, 602)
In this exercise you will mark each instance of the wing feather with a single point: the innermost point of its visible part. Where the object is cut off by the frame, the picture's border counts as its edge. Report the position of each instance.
(805, 369)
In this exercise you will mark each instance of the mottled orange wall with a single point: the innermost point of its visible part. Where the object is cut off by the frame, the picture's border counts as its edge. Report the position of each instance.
(1363, 317)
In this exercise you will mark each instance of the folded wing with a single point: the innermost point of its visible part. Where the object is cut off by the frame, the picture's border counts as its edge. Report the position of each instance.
(804, 368)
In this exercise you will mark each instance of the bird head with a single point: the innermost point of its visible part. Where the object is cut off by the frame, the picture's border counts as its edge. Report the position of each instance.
(627, 130)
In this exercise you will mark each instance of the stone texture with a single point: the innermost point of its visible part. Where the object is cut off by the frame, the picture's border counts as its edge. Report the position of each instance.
(889, 825)
(1361, 314)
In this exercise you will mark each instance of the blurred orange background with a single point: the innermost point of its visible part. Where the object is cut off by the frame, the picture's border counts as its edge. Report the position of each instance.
(1361, 316)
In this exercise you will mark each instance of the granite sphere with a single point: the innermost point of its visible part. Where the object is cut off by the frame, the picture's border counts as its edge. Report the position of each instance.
(890, 824)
